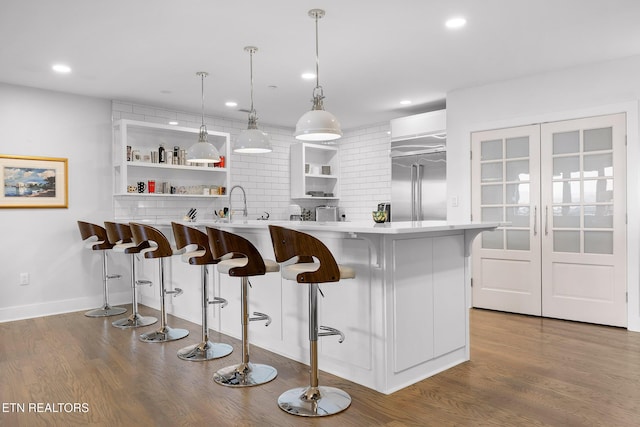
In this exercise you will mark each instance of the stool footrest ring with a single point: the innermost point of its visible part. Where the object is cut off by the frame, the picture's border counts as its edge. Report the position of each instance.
(175, 292)
(330, 331)
(260, 316)
(217, 300)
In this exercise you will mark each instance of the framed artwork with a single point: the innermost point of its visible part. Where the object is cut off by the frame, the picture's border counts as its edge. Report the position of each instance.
(33, 182)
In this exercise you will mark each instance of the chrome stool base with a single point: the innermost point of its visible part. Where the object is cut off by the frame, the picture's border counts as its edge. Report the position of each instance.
(205, 350)
(163, 335)
(134, 321)
(243, 375)
(314, 402)
(106, 311)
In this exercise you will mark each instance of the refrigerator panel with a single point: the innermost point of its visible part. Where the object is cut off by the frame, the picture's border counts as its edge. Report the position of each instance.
(402, 187)
(432, 197)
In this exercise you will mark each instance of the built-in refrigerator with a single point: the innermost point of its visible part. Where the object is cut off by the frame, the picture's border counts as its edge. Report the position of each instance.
(419, 167)
(418, 186)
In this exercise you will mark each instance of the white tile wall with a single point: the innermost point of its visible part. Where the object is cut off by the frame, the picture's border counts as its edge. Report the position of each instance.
(365, 170)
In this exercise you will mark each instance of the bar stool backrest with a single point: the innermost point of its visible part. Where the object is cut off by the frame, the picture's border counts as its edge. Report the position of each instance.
(88, 230)
(186, 236)
(288, 244)
(121, 234)
(145, 233)
(224, 243)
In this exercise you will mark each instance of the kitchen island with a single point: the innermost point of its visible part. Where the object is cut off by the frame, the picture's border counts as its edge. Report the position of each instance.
(405, 315)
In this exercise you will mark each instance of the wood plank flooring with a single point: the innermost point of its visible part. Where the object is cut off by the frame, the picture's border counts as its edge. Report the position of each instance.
(524, 371)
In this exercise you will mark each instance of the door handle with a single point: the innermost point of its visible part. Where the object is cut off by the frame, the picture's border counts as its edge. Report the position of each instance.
(546, 220)
(414, 172)
(535, 220)
(420, 177)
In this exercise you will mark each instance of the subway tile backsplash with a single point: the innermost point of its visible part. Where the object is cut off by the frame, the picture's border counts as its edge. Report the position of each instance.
(365, 171)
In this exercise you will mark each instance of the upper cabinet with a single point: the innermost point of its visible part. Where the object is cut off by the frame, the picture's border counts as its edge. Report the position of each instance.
(142, 168)
(314, 171)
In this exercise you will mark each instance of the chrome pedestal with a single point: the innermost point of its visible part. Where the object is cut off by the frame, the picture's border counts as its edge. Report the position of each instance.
(106, 310)
(165, 333)
(246, 374)
(206, 350)
(135, 320)
(314, 400)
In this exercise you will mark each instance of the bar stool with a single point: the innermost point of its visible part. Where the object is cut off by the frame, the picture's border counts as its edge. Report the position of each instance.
(145, 233)
(120, 234)
(200, 255)
(313, 400)
(96, 239)
(246, 262)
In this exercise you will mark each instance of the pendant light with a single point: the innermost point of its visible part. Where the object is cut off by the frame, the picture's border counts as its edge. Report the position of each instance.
(252, 140)
(203, 151)
(317, 124)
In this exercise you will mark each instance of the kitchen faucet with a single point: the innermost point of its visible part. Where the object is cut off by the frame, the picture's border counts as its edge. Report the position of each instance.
(244, 200)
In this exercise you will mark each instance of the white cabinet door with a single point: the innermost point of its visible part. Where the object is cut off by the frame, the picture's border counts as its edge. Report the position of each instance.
(560, 189)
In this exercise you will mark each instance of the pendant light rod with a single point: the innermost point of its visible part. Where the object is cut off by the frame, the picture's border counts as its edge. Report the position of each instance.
(251, 50)
(202, 75)
(317, 14)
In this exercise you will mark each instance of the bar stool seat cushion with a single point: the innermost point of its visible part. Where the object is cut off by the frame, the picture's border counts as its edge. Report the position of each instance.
(227, 264)
(290, 272)
(193, 254)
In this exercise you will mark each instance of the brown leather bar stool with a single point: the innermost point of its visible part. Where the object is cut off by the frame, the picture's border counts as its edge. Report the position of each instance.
(120, 234)
(200, 255)
(96, 239)
(313, 400)
(246, 262)
(145, 233)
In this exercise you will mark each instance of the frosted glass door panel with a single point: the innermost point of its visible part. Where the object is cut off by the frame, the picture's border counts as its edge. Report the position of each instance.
(491, 150)
(491, 172)
(566, 142)
(566, 167)
(598, 139)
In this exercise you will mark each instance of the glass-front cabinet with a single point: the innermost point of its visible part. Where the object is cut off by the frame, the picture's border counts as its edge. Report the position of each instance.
(149, 161)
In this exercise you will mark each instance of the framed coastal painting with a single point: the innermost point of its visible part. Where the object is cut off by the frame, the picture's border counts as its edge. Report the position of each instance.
(33, 182)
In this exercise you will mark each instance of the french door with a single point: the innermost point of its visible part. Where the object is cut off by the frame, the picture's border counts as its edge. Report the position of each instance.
(559, 188)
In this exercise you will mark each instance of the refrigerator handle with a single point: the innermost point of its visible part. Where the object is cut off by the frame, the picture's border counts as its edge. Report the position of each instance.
(414, 172)
(420, 177)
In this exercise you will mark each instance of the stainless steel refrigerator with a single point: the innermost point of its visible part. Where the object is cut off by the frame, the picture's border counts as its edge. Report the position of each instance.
(419, 187)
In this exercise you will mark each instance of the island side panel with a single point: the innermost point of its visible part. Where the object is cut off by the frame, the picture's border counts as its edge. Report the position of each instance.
(425, 300)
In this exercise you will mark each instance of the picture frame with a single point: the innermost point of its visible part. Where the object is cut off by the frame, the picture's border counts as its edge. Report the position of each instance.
(34, 182)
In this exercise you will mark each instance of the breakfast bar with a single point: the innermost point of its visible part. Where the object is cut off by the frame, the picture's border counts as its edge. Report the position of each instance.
(404, 316)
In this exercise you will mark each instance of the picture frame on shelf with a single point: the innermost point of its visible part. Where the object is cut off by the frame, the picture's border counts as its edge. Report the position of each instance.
(34, 182)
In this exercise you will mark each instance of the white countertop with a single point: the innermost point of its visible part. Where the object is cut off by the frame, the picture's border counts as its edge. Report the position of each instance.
(402, 227)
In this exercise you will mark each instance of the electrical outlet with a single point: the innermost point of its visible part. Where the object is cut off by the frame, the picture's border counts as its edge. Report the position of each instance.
(24, 279)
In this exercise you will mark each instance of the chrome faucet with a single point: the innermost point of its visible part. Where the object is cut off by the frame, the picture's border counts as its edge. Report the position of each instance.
(244, 201)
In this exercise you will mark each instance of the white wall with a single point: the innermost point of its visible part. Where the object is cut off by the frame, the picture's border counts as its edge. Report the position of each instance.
(46, 242)
(595, 89)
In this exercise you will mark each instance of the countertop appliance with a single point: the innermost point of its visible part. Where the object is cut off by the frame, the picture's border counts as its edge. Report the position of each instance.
(326, 213)
(418, 167)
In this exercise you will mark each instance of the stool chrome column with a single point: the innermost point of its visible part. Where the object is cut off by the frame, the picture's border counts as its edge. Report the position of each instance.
(247, 262)
(95, 238)
(200, 255)
(160, 248)
(313, 400)
(120, 234)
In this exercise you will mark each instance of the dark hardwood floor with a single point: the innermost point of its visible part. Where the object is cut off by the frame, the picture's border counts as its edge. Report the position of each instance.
(523, 371)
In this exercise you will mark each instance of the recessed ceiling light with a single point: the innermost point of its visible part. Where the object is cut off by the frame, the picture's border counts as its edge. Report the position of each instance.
(405, 102)
(61, 68)
(308, 76)
(231, 104)
(457, 22)
(173, 122)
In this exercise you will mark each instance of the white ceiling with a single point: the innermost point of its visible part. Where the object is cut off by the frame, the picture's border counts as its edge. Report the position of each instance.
(373, 53)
